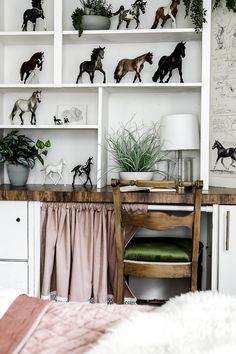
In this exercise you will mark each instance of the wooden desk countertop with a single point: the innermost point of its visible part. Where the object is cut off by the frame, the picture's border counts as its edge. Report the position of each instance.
(60, 193)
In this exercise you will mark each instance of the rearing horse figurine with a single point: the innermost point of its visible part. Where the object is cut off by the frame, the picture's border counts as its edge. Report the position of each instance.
(166, 12)
(223, 153)
(136, 64)
(168, 63)
(28, 67)
(131, 14)
(94, 64)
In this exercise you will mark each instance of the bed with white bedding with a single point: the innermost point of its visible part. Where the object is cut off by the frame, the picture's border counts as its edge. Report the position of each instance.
(193, 323)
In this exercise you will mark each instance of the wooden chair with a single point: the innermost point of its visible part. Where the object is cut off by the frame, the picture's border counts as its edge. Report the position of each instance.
(158, 257)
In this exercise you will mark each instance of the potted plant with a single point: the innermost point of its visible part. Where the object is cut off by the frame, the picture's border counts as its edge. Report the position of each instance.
(20, 153)
(136, 148)
(94, 15)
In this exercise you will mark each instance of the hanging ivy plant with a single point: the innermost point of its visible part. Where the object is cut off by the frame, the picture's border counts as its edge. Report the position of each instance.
(197, 13)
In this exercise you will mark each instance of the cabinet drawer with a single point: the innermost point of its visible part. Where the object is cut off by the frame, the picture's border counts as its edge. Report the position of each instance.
(14, 275)
(13, 233)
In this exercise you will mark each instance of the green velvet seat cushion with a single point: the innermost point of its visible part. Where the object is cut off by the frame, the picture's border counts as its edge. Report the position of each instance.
(159, 249)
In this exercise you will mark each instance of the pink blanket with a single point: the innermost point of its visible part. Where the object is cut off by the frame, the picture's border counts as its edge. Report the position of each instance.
(32, 325)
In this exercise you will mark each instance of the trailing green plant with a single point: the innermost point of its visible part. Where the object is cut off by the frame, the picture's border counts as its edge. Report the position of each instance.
(136, 148)
(94, 7)
(197, 13)
(19, 149)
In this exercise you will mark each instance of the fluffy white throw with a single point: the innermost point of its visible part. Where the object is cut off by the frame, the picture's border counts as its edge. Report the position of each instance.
(193, 323)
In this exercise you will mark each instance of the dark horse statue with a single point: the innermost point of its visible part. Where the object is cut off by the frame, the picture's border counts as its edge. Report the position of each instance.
(36, 61)
(131, 14)
(94, 64)
(223, 153)
(32, 15)
(168, 63)
(136, 64)
(165, 13)
(29, 105)
(83, 169)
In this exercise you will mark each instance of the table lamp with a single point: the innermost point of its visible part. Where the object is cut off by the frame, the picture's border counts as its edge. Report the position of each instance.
(179, 132)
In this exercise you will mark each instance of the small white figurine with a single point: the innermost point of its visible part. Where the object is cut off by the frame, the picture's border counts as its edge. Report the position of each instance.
(54, 169)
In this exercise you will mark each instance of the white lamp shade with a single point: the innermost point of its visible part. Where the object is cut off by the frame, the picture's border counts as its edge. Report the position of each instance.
(179, 132)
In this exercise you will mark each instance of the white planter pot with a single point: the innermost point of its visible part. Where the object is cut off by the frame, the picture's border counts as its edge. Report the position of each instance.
(95, 22)
(145, 176)
(18, 174)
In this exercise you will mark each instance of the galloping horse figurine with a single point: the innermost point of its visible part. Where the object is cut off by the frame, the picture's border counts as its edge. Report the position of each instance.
(32, 15)
(30, 66)
(165, 13)
(54, 169)
(223, 153)
(29, 105)
(131, 14)
(95, 64)
(83, 169)
(168, 63)
(126, 65)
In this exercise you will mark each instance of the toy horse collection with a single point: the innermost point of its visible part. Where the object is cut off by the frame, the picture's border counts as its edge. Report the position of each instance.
(165, 13)
(131, 14)
(33, 14)
(29, 68)
(94, 64)
(135, 65)
(80, 170)
(168, 63)
(29, 105)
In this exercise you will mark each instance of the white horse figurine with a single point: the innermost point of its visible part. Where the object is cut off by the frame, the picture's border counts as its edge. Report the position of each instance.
(52, 169)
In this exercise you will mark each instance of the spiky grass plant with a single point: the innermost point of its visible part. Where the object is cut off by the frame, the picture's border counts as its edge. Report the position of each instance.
(136, 148)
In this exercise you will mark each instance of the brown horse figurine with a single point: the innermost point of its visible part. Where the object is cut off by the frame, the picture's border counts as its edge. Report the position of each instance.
(165, 13)
(36, 61)
(135, 64)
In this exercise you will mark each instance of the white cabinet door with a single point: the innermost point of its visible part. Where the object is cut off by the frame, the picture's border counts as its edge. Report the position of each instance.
(13, 231)
(14, 275)
(227, 250)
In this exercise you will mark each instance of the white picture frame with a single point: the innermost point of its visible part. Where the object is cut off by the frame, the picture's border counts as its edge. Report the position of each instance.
(72, 114)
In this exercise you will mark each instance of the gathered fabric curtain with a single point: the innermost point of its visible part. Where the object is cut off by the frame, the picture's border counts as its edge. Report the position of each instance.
(78, 252)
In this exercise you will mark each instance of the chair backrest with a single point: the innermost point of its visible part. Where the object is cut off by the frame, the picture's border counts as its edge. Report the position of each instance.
(156, 220)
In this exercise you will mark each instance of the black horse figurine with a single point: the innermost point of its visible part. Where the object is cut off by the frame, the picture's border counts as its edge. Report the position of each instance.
(29, 105)
(131, 14)
(223, 153)
(81, 169)
(135, 64)
(95, 64)
(168, 63)
(36, 61)
(32, 15)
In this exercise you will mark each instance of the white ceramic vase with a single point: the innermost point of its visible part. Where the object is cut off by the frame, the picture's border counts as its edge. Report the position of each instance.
(18, 174)
(145, 176)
